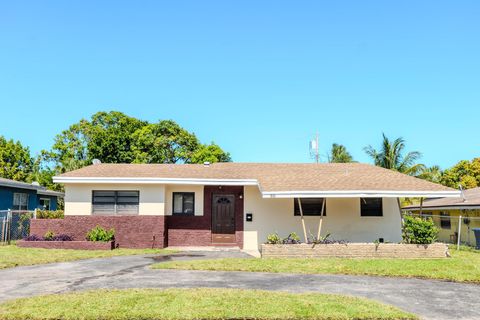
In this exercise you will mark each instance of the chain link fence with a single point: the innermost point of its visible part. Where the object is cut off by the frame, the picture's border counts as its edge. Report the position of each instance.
(455, 229)
(14, 225)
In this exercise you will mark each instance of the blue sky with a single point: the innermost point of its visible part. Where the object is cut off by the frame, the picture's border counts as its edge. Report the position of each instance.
(257, 77)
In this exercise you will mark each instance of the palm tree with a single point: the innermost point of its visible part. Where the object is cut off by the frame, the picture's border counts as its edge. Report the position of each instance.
(391, 156)
(339, 154)
(432, 174)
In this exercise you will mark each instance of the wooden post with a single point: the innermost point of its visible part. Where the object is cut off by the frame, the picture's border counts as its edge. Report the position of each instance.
(9, 226)
(321, 218)
(459, 231)
(421, 206)
(303, 221)
(3, 230)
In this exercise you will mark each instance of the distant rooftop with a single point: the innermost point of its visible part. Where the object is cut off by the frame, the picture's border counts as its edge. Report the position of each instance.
(29, 186)
(470, 200)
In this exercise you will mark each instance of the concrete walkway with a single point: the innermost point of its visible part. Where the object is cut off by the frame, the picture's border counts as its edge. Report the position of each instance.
(429, 299)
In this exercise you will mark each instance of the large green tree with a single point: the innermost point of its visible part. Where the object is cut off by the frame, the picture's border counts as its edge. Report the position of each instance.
(15, 160)
(339, 154)
(465, 173)
(392, 155)
(114, 137)
(432, 174)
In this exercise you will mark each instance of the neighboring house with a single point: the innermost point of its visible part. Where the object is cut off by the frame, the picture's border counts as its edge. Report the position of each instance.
(21, 196)
(236, 204)
(445, 213)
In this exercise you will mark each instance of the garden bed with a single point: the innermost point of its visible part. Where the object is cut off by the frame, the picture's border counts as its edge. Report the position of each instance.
(355, 250)
(77, 245)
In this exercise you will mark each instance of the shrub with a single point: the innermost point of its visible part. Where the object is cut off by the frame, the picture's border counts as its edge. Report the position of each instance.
(33, 237)
(50, 214)
(100, 234)
(62, 237)
(49, 236)
(418, 230)
(273, 238)
(292, 238)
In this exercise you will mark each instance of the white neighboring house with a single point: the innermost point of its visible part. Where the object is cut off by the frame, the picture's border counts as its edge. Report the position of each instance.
(239, 204)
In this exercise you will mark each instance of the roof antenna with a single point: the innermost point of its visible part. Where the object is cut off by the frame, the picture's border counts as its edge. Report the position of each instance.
(463, 194)
(96, 161)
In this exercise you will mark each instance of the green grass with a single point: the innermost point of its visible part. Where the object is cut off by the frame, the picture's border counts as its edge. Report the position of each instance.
(149, 304)
(13, 256)
(463, 266)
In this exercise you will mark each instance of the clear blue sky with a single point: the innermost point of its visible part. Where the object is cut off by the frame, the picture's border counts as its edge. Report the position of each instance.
(257, 77)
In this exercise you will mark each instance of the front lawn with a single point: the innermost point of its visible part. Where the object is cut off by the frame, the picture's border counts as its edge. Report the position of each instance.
(463, 266)
(149, 304)
(13, 256)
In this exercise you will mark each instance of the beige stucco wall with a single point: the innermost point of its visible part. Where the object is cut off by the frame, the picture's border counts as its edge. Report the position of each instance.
(170, 189)
(78, 197)
(343, 220)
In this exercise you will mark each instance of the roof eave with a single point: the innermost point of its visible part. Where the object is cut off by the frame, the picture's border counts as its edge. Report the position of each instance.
(360, 193)
(189, 181)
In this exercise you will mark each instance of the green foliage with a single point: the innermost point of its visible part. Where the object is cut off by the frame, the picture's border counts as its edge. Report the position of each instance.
(339, 154)
(274, 238)
(100, 234)
(50, 214)
(114, 137)
(465, 173)
(432, 174)
(391, 156)
(49, 236)
(418, 230)
(15, 160)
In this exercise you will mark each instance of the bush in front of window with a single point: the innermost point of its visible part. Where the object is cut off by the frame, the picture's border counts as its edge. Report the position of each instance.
(50, 214)
(100, 234)
(418, 230)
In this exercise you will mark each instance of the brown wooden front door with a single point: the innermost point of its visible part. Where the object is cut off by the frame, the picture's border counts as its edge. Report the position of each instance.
(223, 218)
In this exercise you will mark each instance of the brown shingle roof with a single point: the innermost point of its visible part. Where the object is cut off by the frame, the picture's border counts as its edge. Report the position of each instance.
(472, 199)
(272, 176)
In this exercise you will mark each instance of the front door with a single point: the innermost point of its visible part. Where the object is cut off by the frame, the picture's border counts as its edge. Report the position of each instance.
(223, 218)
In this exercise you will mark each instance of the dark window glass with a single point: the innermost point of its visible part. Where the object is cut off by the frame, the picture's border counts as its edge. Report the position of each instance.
(183, 203)
(371, 207)
(310, 206)
(115, 202)
(445, 221)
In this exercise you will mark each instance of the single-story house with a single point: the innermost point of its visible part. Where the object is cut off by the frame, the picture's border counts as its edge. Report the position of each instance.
(446, 213)
(22, 196)
(236, 204)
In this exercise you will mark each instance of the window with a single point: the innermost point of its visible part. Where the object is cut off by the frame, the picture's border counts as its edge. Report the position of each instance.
(20, 201)
(44, 204)
(183, 203)
(310, 206)
(371, 207)
(115, 202)
(445, 221)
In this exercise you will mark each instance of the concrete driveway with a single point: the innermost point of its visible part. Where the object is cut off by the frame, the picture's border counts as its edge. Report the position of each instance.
(429, 299)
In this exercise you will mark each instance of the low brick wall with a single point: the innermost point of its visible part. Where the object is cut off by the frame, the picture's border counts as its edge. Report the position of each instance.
(77, 245)
(355, 250)
(130, 231)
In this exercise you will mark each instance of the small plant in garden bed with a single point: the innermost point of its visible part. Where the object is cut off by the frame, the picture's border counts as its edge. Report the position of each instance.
(50, 214)
(325, 240)
(49, 236)
(33, 237)
(100, 234)
(274, 238)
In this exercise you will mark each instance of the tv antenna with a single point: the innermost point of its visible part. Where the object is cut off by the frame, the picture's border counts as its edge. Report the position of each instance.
(314, 153)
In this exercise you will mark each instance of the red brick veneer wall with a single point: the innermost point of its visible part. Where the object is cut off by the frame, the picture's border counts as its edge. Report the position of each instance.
(130, 231)
(197, 230)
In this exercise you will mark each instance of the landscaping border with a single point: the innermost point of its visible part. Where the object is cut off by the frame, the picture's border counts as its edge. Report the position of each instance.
(77, 245)
(356, 250)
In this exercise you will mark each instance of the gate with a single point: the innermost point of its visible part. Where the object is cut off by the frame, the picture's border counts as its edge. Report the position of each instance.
(14, 225)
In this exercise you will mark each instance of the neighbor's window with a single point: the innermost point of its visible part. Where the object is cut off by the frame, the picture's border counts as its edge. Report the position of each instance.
(371, 207)
(183, 203)
(20, 201)
(445, 221)
(44, 203)
(310, 206)
(115, 202)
